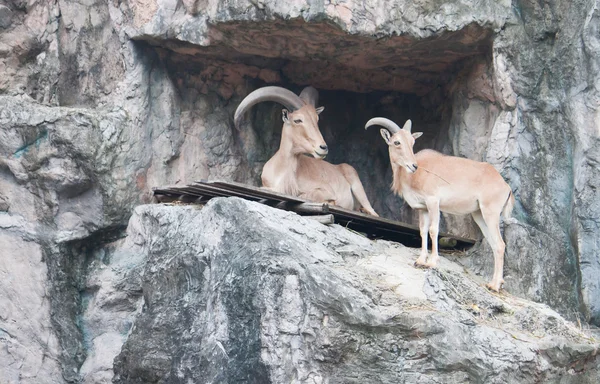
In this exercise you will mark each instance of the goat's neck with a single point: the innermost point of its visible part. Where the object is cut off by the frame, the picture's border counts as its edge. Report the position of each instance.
(287, 162)
(401, 179)
(286, 154)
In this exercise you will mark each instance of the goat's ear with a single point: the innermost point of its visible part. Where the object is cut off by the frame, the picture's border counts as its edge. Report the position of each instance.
(319, 110)
(407, 125)
(284, 116)
(416, 135)
(386, 135)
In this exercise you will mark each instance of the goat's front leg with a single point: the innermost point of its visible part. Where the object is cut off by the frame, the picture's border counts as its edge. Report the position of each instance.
(433, 207)
(423, 227)
(319, 195)
(268, 189)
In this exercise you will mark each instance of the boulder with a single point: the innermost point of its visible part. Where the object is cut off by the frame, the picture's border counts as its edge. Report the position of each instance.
(239, 291)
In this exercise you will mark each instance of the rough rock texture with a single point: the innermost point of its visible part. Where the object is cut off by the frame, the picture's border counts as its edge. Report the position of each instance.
(237, 291)
(542, 129)
(102, 100)
(29, 346)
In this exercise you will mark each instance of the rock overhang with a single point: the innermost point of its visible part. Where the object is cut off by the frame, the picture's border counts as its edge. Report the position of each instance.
(359, 74)
(329, 58)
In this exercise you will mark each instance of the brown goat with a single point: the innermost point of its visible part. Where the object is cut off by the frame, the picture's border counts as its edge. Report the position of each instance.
(431, 182)
(297, 168)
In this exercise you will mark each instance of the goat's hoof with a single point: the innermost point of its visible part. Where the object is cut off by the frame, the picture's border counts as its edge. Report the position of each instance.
(372, 213)
(494, 287)
(420, 265)
(431, 265)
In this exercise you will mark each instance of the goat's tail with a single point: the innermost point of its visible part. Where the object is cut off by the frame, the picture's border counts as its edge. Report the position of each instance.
(508, 206)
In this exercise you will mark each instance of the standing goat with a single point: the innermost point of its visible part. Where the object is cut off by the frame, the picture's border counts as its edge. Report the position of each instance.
(298, 168)
(431, 182)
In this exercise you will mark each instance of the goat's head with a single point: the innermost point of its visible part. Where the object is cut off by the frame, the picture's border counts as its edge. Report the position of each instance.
(400, 142)
(300, 118)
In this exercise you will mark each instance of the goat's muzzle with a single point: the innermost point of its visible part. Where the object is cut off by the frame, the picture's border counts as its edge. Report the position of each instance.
(320, 154)
(412, 168)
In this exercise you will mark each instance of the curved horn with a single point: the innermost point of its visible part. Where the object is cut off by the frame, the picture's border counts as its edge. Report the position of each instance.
(278, 94)
(385, 123)
(310, 96)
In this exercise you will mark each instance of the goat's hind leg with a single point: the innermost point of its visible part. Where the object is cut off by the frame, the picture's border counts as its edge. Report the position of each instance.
(491, 220)
(358, 191)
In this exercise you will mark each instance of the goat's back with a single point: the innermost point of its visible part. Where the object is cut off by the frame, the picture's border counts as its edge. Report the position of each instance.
(462, 185)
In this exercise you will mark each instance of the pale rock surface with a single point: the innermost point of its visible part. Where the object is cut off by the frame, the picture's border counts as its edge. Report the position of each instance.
(101, 101)
(29, 348)
(240, 291)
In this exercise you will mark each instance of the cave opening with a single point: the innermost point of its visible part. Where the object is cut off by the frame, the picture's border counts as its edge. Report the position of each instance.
(358, 77)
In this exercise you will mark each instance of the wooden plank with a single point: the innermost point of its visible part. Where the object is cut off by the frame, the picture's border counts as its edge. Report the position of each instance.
(216, 191)
(369, 218)
(202, 190)
(255, 191)
(312, 208)
(374, 227)
(167, 191)
(387, 223)
(323, 219)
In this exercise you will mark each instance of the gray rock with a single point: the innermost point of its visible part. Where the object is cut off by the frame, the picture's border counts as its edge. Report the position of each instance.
(5, 16)
(4, 203)
(240, 291)
(29, 349)
(101, 101)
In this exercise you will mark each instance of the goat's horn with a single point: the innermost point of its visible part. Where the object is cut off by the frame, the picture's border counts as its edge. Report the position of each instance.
(385, 123)
(278, 94)
(310, 96)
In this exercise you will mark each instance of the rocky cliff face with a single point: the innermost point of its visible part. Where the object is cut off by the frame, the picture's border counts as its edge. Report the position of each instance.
(237, 291)
(102, 100)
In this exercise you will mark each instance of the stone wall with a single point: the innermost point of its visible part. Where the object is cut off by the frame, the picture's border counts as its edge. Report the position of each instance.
(102, 100)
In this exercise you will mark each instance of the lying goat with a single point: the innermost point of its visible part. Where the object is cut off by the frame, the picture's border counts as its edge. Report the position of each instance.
(298, 168)
(431, 182)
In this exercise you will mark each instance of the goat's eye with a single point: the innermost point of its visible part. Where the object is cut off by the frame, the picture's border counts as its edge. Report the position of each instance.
(396, 143)
(297, 121)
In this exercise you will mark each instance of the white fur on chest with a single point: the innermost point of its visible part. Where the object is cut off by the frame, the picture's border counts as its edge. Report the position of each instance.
(288, 184)
(415, 200)
(282, 182)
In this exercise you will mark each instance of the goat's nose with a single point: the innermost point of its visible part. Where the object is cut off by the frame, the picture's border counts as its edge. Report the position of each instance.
(323, 147)
(415, 165)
